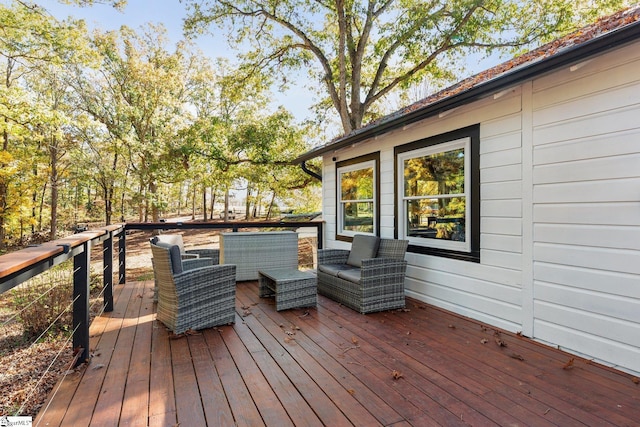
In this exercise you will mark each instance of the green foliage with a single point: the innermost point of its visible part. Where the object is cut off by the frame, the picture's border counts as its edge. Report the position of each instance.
(358, 53)
(111, 125)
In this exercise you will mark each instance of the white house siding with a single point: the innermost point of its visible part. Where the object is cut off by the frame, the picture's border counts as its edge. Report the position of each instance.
(586, 208)
(560, 210)
(490, 291)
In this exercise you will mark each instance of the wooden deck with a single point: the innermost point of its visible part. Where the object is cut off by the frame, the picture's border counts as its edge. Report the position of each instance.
(330, 366)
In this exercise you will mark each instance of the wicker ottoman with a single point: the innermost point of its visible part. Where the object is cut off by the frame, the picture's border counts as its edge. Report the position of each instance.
(291, 287)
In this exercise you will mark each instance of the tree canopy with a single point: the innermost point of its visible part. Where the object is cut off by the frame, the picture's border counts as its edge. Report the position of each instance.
(127, 124)
(360, 52)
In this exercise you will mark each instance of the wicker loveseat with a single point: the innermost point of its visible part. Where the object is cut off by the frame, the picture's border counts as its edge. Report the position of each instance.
(367, 278)
(195, 298)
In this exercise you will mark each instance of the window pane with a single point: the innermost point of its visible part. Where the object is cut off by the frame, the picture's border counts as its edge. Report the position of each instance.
(435, 174)
(357, 184)
(441, 218)
(358, 217)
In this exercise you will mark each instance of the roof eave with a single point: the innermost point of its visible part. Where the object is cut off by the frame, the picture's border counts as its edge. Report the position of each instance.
(612, 40)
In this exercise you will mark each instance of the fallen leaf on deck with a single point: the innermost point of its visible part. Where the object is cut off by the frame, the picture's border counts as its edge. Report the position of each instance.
(354, 340)
(484, 340)
(500, 343)
(97, 366)
(452, 326)
(396, 374)
(516, 356)
(351, 391)
(635, 380)
(569, 363)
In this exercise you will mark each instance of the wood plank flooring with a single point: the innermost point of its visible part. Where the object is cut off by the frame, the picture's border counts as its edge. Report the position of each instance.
(330, 366)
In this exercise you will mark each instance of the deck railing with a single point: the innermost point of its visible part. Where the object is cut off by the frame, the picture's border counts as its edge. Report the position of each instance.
(17, 267)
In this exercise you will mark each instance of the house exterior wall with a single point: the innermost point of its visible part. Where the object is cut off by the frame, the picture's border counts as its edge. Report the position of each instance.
(586, 208)
(560, 209)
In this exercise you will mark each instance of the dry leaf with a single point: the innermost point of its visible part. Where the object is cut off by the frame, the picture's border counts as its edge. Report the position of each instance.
(354, 340)
(452, 326)
(516, 356)
(569, 363)
(396, 374)
(635, 380)
(484, 340)
(500, 343)
(351, 391)
(97, 366)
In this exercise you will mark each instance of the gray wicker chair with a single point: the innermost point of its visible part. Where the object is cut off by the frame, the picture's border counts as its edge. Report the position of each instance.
(194, 298)
(176, 239)
(366, 282)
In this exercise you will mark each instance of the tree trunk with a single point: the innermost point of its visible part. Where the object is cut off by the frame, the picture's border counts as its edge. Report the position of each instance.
(213, 203)
(153, 191)
(204, 203)
(193, 202)
(53, 158)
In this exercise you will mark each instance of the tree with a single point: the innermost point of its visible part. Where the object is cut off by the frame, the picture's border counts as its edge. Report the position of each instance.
(31, 42)
(363, 51)
(146, 91)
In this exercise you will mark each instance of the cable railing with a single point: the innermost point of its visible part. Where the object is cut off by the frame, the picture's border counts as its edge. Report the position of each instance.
(18, 267)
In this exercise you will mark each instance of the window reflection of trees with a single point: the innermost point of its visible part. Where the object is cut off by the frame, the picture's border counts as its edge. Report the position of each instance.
(432, 183)
(357, 192)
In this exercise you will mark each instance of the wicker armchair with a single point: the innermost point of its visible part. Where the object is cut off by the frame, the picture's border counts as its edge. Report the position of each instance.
(194, 298)
(176, 239)
(367, 278)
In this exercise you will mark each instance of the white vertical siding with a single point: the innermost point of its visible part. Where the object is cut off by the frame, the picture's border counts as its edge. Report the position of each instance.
(586, 206)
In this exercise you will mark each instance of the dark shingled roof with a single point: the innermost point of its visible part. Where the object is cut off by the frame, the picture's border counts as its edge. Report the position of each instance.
(607, 33)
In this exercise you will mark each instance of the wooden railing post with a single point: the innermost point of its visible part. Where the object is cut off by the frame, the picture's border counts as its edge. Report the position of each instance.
(81, 303)
(107, 273)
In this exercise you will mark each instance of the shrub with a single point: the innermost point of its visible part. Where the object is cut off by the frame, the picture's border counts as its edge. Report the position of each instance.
(45, 300)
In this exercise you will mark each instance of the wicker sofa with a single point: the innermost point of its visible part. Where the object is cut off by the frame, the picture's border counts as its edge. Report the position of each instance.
(367, 278)
(192, 299)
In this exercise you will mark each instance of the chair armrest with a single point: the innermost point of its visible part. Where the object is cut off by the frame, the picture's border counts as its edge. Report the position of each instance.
(190, 264)
(185, 256)
(381, 271)
(201, 279)
(213, 254)
(332, 256)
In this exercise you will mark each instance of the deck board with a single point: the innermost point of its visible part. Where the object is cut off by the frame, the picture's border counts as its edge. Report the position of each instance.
(330, 366)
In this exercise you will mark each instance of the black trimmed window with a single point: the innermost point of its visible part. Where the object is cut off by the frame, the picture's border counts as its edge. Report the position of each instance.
(438, 203)
(357, 195)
